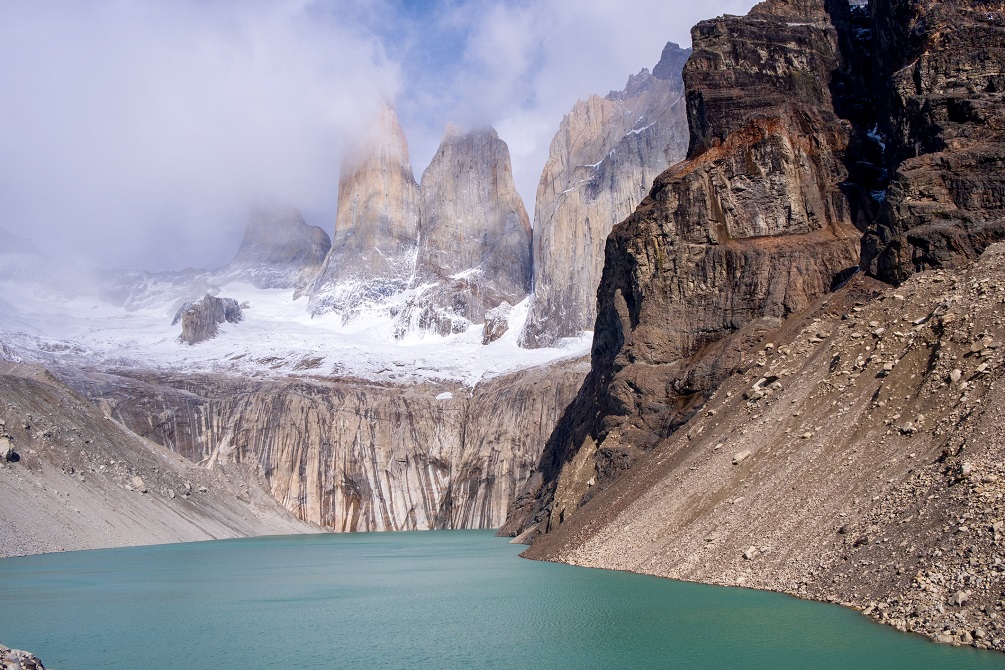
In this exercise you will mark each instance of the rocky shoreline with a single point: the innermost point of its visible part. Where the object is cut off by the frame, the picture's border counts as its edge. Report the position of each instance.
(855, 457)
(16, 659)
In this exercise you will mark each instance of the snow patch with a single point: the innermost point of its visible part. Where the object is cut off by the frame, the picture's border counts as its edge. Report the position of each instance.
(446, 395)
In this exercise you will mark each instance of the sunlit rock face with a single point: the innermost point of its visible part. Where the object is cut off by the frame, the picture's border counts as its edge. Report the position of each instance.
(355, 455)
(376, 228)
(278, 250)
(474, 248)
(601, 165)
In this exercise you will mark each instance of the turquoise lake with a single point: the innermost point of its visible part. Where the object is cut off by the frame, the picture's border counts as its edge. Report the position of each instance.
(445, 599)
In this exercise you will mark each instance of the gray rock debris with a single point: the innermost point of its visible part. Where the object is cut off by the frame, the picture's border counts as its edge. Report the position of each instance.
(15, 659)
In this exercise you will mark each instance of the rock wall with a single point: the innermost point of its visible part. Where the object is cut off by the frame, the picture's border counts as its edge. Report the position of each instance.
(752, 225)
(602, 162)
(376, 227)
(937, 69)
(474, 247)
(353, 455)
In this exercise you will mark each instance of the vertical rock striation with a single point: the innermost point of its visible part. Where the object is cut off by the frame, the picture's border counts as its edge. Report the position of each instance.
(602, 163)
(356, 455)
(753, 225)
(376, 227)
(474, 248)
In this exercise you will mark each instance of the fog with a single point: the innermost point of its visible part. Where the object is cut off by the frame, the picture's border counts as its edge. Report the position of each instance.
(139, 133)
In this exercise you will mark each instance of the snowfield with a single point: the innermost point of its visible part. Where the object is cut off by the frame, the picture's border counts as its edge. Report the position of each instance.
(277, 337)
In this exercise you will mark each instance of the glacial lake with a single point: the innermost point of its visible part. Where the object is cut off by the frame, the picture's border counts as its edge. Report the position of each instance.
(445, 599)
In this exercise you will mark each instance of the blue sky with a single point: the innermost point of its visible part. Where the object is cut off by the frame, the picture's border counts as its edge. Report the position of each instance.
(137, 133)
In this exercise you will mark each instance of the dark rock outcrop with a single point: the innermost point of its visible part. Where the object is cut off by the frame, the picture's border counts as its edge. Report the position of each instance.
(938, 71)
(753, 225)
(201, 320)
(602, 162)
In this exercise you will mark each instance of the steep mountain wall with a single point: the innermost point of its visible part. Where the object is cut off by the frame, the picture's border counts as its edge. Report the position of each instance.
(356, 455)
(376, 227)
(602, 162)
(474, 247)
(752, 225)
(751, 417)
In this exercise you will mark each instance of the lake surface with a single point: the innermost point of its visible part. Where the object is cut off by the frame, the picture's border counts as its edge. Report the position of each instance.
(445, 599)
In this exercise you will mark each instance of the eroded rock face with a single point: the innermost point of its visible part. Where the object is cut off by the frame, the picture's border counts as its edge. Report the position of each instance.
(279, 250)
(602, 163)
(201, 320)
(356, 455)
(752, 225)
(376, 228)
(474, 250)
(943, 123)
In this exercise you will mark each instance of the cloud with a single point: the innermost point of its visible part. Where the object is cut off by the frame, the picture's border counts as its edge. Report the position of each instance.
(526, 63)
(137, 133)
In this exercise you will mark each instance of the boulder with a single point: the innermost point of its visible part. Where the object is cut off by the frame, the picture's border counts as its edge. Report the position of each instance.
(201, 320)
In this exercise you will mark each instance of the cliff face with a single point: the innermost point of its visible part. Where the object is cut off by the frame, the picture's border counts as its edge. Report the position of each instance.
(376, 227)
(943, 125)
(602, 162)
(751, 225)
(353, 455)
(788, 425)
(474, 248)
(278, 250)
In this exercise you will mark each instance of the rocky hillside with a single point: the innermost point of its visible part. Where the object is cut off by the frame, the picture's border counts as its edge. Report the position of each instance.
(856, 456)
(354, 455)
(75, 480)
(752, 419)
(602, 162)
(753, 224)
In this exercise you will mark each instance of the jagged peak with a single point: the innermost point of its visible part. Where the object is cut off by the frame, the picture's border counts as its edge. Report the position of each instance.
(384, 143)
(671, 62)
